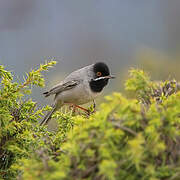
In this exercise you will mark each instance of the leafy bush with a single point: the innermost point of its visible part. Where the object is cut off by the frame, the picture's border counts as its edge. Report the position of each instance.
(137, 138)
(20, 133)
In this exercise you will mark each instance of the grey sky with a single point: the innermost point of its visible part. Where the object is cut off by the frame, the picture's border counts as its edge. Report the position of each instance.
(79, 32)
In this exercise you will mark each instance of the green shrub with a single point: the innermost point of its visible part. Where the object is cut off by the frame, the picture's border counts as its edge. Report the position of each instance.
(128, 139)
(20, 132)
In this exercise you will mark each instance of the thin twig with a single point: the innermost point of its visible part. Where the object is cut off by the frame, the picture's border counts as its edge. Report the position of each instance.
(124, 128)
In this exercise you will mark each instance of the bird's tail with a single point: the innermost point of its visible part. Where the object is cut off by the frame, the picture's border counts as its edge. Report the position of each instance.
(48, 116)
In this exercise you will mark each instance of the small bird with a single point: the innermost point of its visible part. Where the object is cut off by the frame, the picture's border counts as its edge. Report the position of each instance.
(79, 87)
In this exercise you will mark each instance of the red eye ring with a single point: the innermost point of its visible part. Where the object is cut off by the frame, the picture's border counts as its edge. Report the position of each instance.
(98, 73)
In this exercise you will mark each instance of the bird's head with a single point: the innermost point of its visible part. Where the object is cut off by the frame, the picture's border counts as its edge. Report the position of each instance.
(101, 76)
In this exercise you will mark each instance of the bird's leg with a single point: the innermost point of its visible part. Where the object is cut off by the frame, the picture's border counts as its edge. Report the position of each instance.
(76, 106)
(84, 109)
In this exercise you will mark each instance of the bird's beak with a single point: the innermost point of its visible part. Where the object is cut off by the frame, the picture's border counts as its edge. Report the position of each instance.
(105, 77)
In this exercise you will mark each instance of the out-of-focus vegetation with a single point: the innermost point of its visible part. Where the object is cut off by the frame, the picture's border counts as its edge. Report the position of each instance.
(159, 65)
(128, 139)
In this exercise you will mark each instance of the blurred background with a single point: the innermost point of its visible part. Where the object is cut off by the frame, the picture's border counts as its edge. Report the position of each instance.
(122, 33)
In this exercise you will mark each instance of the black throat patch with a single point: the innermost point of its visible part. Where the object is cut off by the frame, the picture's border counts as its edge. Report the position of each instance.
(97, 86)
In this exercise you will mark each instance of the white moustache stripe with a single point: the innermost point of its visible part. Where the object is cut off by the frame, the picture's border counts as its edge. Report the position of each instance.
(97, 79)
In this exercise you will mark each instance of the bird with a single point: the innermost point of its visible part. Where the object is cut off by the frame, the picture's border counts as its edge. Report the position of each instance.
(79, 87)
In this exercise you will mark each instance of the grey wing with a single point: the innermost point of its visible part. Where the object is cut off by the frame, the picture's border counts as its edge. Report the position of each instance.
(62, 87)
(70, 81)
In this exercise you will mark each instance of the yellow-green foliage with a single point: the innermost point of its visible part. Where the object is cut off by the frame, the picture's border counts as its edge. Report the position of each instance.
(126, 139)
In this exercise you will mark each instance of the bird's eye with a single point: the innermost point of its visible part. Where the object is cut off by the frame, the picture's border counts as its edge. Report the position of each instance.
(98, 73)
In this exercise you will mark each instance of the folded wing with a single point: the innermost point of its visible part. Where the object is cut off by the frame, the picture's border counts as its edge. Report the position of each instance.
(62, 87)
